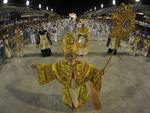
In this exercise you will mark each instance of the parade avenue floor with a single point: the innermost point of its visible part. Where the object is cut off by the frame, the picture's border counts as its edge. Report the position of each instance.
(125, 85)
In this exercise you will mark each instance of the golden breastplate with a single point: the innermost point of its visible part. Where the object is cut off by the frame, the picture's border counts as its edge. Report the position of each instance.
(72, 76)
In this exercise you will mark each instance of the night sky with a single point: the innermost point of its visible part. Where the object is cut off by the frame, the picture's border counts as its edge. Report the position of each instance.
(63, 7)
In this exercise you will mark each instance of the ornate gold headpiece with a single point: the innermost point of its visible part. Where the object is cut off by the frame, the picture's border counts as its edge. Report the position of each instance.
(124, 21)
(69, 44)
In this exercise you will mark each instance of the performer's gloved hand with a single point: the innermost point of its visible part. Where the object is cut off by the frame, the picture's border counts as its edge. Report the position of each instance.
(33, 66)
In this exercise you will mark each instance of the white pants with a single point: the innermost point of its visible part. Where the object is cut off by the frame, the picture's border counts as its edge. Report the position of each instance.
(55, 37)
(100, 37)
(33, 39)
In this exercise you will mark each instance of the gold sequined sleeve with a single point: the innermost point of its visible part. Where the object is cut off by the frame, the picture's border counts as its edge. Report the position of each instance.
(96, 78)
(46, 73)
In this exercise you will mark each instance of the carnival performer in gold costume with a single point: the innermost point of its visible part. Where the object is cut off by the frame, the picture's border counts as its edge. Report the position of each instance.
(146, 47)
(74, 75)
(8, 51)
(82, 37)
(18, 41)
(123, 25)
(134, 44)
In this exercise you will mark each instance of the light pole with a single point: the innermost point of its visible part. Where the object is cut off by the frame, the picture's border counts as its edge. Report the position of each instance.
(90, 10)
(47, 8)
(137, 0)
(5, 2)
(40, 6)
(27, 3)
(114, 2)
(94, 8)
(102, 6)
(52, 10)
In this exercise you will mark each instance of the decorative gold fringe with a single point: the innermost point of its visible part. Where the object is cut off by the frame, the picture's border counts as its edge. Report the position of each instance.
(96, 100)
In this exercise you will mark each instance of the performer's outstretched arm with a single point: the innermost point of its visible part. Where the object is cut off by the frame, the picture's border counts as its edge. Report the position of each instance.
(45, 72)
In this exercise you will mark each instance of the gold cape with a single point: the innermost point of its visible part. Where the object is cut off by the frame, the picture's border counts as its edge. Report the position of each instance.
(81, 72)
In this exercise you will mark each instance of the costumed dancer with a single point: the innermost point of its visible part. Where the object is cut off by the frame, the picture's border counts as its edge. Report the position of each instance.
(18, 41)
(113, 43)
(48, 35)
(103, 30)
(44, 44)
(145, 49)
(94, 30)
(54, 31)
(2, 49)
(8, 51)
(32, 36)
(134, 44)
(75, 76)
(82, 35)
(37, 37)
(100, 30)
(122, 27)
(59, 29)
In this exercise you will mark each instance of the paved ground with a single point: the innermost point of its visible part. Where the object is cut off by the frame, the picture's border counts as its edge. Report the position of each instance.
(125, 87)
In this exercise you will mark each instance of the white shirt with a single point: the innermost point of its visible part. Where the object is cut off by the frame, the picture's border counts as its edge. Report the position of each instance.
(1, 44)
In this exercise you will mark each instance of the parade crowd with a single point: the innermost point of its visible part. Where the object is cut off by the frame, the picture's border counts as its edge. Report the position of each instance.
(44, 34)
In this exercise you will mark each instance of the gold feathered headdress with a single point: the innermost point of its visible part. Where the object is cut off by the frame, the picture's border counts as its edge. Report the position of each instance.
(69, 44)
(124, 22)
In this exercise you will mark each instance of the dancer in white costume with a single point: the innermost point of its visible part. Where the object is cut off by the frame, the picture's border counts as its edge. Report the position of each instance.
(54, 31)
(18, 41)
(94, 30)
(8, 51)
(145, 49)
(100, 30)
(32, 36)
(134, 45)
